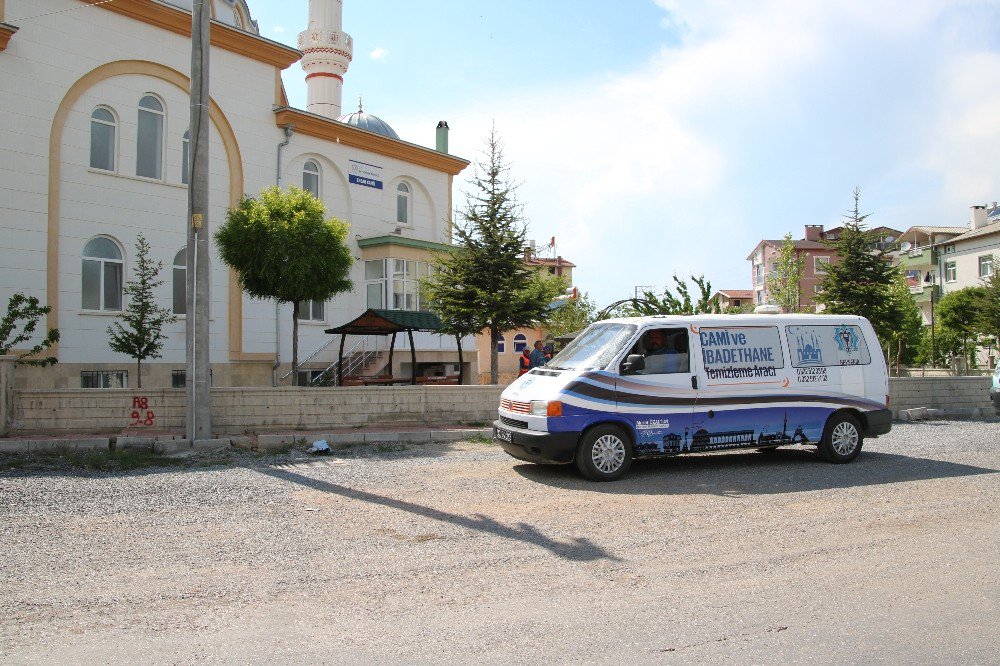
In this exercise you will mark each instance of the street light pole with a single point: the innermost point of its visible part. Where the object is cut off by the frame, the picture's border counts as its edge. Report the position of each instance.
(198, 398)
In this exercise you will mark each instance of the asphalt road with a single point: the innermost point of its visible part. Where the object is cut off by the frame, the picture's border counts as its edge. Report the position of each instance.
(457, 553)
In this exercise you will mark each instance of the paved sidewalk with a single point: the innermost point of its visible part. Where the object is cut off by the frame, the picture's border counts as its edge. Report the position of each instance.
(173, 443)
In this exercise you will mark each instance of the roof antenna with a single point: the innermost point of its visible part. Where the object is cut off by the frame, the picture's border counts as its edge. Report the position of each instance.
(359, 104)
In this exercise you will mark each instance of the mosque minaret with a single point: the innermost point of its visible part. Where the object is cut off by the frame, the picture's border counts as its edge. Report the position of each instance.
(326, 56)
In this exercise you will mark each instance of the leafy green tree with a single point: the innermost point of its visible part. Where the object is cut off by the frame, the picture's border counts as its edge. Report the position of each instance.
(141, 336)
(669, 303)
(24, 312)
(861, 281)
(946, 343)
(904, 345)
(959, 311)
(989, 312)
(485, 282)
(573, 315)
(783, 289)
(282, 246)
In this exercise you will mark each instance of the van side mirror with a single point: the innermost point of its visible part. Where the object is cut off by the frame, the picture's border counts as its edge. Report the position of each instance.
(633, 364)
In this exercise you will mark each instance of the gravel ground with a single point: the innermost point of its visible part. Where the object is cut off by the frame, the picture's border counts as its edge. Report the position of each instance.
(457, 553)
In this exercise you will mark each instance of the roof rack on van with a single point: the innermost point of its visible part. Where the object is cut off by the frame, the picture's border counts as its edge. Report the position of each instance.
(767, 309)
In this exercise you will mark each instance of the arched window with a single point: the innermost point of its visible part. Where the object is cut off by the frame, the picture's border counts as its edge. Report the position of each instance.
(402, 204)
(501, 344)
(520, 343)
(310, 178)
(180, 282)
(149, 142)
(186, 157)
(103, 128)
(102, 275)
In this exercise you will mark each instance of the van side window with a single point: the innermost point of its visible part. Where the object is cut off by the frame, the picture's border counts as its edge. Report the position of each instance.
(827, 345)
(738, 353)
(665, 351)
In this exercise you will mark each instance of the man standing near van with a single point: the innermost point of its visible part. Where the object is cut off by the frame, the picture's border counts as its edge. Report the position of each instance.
(537, 355)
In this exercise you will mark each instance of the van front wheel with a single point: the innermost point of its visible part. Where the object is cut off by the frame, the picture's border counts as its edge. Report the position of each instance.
(604, 453)
(842, 439)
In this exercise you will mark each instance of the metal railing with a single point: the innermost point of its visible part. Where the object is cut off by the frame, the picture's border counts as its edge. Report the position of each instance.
(358, 356)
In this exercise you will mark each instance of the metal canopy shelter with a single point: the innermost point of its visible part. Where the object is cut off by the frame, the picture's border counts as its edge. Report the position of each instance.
(386, 322)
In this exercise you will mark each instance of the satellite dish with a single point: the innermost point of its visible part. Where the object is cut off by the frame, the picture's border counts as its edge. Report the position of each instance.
(889, 239)
(905, 247)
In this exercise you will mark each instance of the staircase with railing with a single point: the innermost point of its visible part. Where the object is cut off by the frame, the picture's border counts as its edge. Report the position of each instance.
(364, 357)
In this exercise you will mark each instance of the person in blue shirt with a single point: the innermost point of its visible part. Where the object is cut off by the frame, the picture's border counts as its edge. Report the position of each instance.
(537, 355)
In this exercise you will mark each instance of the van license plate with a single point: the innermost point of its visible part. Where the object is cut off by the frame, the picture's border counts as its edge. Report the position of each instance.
(502, 435)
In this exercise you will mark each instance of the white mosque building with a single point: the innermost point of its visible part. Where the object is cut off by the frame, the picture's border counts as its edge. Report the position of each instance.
(94, 151)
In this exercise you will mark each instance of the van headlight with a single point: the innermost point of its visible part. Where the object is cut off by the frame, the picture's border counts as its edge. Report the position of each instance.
(546, 408)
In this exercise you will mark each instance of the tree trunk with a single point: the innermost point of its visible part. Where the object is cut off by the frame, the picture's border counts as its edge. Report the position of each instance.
(458, 339)
(138, 373)
(295, 343)
(494, 357)
(899, 354)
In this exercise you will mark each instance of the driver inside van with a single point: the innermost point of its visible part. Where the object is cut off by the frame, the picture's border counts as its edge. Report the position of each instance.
(665, 354)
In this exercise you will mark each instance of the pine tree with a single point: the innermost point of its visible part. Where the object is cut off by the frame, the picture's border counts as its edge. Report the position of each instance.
(860, 282)
(784, 288)
(141, 336)
(484, 283)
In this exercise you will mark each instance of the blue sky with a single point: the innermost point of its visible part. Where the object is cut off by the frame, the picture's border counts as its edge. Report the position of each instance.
(654, 137)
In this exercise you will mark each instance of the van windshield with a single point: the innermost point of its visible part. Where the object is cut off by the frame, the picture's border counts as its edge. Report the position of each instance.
(593, 349)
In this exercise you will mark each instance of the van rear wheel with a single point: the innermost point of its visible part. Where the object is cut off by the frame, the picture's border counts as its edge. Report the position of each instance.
(842, 439)
(604, 453)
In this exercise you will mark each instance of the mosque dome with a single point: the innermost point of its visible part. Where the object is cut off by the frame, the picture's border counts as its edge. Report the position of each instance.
(366, 121)
(230, 12)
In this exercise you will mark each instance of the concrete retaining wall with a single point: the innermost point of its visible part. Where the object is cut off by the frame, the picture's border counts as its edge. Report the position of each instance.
(242, 410)
(957, 396)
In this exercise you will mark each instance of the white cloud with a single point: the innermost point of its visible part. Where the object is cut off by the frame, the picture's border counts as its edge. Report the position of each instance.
(640, 175)
(278, 29)
(379, 53)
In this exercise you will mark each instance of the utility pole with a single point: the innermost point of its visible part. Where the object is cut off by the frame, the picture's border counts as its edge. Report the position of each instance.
(198, 397)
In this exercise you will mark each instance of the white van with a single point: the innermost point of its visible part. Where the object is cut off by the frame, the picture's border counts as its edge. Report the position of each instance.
(666, 385)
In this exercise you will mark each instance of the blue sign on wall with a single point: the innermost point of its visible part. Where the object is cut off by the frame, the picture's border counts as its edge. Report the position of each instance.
(367, 175)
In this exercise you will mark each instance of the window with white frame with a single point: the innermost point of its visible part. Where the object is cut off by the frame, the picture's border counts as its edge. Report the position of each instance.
(394, 284)
(149, 141)
(760, 297)
(180, 282)
(817, 289)
(310, 177)
(950, 271)
(520, 343)
(821, 264)
(103, 133)
(101, 276)
(186, 157)
(986, 266)
(949, 249)
(759, 274)
(375, 284)
(402, 204)
(501, 344)
(312, 311)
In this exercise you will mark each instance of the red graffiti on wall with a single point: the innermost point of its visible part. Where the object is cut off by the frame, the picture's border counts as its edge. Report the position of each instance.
(141, 414)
